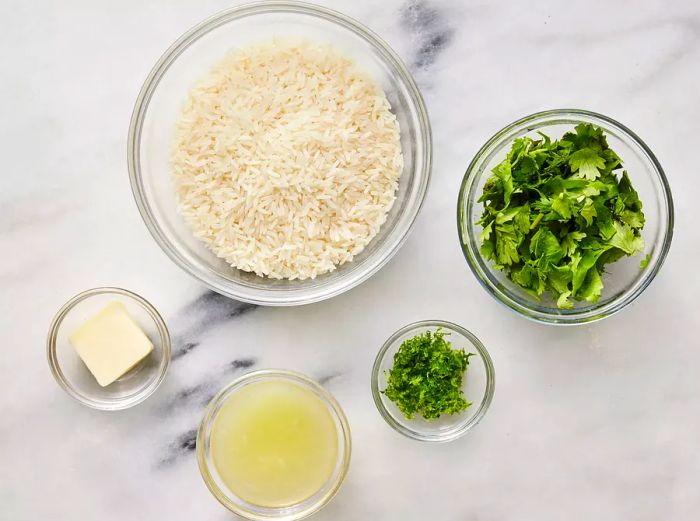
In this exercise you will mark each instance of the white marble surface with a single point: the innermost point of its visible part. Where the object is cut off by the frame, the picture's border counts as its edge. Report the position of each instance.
(597, 422)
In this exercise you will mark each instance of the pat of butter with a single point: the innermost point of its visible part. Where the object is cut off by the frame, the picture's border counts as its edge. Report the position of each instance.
(110, 343)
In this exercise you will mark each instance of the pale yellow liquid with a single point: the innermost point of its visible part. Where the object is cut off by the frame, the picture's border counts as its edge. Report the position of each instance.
(274, 443)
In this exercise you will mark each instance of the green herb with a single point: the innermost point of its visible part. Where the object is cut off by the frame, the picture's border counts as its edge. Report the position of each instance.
(427, 377)
(645, 261)
(556, 212)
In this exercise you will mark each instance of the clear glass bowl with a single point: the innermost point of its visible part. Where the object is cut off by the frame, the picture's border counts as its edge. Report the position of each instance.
(478, 385)
(624, 280)
(187, 60)
(73, 375)
(248, 510)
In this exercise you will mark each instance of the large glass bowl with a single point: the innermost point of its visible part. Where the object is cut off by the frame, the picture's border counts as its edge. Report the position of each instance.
(624, 280)
(187, 60)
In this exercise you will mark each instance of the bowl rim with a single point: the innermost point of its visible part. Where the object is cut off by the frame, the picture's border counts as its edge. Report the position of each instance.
(285, 513)
(460, 429)
(483, 276)
(219, 283)
(67, 386)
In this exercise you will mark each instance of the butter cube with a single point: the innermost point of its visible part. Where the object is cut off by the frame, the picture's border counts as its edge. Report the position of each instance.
(110, 343)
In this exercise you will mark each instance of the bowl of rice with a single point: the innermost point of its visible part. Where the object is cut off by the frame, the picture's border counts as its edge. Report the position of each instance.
(279, 152)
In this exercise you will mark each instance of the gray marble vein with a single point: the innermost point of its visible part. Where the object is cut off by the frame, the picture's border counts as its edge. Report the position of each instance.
(207, 311)
(328, 377)
(429, 30)
(183, 445)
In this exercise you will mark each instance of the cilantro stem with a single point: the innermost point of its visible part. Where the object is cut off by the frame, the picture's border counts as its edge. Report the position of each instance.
(537, 221)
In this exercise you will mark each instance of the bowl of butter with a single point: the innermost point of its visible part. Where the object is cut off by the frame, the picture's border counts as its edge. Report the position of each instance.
(108, 348)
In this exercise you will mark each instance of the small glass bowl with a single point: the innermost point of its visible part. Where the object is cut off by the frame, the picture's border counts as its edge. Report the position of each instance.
(160, 101)
(478, 385)
(624, 280)
(74, 376)
(251, 511)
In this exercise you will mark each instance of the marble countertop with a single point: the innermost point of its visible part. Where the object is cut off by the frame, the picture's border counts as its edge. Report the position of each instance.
(594, 422)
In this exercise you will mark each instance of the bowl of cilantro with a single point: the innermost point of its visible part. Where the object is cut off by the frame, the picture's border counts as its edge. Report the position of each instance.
(565, 216)
(433, 381)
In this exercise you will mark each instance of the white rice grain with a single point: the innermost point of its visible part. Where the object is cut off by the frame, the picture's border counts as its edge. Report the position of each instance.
(286, 159)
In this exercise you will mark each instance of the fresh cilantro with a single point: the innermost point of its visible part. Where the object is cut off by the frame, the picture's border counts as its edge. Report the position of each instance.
(626, 239)
(556, 212)
(426, 377)
(645, 261)
(587, 163)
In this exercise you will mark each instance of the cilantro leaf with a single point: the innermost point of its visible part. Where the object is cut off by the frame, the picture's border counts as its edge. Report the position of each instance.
(563, 301)
(626, 239)
(581, 268)
(570, 242)
(592, 286)
(502, 172)
(506, 244)
(587, 163)
(562, 206)
(545, 247)
(588, 211)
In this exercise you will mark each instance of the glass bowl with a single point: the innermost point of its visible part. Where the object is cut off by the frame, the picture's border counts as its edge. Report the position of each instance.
(247, 510)
(478, 385)
(624, 280)
(73, 375)
(187, 60)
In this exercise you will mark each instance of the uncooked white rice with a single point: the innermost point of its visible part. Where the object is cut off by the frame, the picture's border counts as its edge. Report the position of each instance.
(286, 159)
